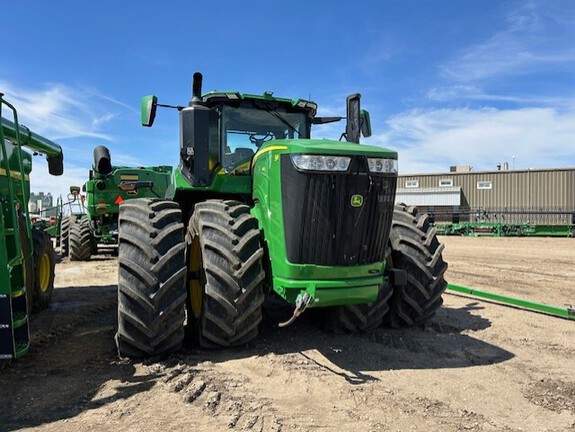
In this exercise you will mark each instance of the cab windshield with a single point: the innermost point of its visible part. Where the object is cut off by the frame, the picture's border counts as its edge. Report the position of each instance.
(245, 129)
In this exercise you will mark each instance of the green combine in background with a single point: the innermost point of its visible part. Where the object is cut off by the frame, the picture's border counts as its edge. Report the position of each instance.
(108, 186)
(257, 207)
(27, 257)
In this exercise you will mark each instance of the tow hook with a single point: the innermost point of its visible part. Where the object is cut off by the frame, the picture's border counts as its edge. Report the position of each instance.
(301, 303)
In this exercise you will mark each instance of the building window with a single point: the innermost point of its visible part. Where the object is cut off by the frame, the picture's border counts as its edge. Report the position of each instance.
(412, 183)
(445, 182)
(488, 184)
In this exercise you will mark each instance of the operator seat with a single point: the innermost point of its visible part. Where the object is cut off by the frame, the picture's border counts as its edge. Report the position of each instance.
(242, 154)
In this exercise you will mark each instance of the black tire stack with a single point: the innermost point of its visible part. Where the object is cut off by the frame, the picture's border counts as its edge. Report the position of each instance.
(152, 277)
(415, 249)
(65, 235)
(80, 240)
(216, 272)
(44, 259)
(231, 254)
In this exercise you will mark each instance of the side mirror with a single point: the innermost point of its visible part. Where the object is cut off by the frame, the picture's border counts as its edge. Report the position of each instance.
(365, 123)
(352, 128)
(56, 164)
(148, 110)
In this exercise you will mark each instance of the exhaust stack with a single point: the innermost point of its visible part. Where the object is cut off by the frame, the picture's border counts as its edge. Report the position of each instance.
(196, 89)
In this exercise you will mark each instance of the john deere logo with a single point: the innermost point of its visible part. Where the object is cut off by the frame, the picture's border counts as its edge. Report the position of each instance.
(356, 200)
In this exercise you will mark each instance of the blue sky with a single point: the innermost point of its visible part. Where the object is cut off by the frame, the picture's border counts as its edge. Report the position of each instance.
(447, 82)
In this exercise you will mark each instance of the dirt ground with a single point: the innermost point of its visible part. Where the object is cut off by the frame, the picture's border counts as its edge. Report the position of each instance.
(478, 366)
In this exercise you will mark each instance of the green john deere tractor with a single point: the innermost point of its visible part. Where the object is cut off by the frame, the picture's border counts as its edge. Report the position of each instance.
(258, 208)
(70, 211)
(55, 221)
(27, 257)
(107, 187)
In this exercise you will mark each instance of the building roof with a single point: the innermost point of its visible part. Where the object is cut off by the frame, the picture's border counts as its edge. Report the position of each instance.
(451, 173)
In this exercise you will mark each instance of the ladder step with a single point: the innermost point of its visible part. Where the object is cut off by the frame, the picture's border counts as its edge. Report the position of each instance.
(19, 319)
(18, 292)
(22, 348)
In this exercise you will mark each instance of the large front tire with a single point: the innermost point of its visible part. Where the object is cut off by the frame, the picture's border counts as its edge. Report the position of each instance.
(44, 259)
(225, 274)
(151, 278)
(415, 249)
(80, 240)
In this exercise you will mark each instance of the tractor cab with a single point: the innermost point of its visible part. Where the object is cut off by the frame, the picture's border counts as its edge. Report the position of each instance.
(246, 127)
(221, 132)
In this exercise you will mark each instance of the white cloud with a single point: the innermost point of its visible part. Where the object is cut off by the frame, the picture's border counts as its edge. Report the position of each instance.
(433, 140)
(58, 111)
(462, 93)
(102, 119)
(74, 117)
(535, 39)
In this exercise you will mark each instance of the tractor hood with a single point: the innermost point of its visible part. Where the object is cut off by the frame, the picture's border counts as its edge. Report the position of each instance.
(327, 147)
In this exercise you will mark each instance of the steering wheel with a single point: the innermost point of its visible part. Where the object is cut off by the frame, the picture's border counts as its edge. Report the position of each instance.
(258, 142)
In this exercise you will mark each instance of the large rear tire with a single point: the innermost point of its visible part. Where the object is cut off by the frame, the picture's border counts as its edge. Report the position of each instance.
(65, 235)
(81, 241)
(44, 259)
(359, 318)
(415, 249)
(225, 274)
(151, 278)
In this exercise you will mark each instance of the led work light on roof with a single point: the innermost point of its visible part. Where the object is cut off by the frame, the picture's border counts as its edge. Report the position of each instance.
(321, 163)
(309, 105)
(382, 165)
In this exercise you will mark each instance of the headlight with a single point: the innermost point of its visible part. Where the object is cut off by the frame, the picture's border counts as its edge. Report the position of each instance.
(321, 163)
(381, 165)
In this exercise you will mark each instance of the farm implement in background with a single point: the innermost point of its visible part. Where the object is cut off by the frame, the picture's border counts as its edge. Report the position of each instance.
(57, 225)
(27, 257)
(107, 187)
(567, 312)
(506, 222)
(501, 229)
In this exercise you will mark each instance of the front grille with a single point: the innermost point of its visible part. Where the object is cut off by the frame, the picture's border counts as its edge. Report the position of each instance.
(323, 228)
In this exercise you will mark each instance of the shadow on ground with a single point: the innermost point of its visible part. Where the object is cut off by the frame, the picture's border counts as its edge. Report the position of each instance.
(73, 355)
(444, 343)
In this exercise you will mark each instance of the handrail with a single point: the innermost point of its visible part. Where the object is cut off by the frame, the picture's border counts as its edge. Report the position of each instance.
(18, 258)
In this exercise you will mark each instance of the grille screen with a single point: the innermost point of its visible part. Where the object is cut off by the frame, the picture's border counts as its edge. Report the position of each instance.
(322, 226)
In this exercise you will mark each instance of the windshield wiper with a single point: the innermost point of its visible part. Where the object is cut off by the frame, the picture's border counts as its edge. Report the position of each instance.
(283, 120)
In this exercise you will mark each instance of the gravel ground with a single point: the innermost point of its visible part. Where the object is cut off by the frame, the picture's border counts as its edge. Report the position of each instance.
(478, 366)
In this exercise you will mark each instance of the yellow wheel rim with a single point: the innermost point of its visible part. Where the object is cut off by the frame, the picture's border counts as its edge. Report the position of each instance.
(44, 272)
(195, 285)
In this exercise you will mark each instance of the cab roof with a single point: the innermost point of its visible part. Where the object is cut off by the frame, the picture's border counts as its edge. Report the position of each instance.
(231, 96)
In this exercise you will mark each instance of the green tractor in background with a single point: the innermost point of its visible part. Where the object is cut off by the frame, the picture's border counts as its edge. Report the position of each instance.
(27, 257)
(70, 211)
(107, 187)
(258, 208)
(55, 221)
